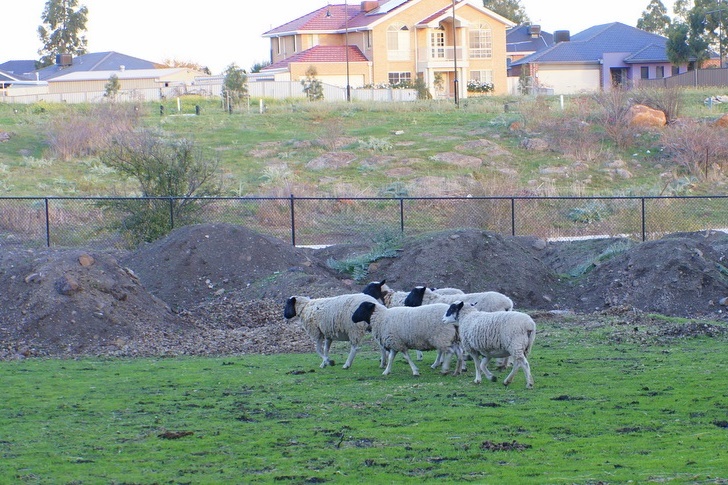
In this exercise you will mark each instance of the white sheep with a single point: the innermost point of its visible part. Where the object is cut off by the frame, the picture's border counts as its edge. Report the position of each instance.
(447, 291)
(400, 329)
(494, 334)
(486, 301)
(329, 319)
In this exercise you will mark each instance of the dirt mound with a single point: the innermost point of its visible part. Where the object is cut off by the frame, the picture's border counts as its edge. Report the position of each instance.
(680, 275)
(195, 264)
(474, 260)
(219, 289)
(73, 302)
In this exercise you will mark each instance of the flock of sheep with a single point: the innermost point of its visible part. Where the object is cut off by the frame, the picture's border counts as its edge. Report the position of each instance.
(482, 325)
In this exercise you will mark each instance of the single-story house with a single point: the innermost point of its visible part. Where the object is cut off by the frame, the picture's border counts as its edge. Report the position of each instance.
(598, 58)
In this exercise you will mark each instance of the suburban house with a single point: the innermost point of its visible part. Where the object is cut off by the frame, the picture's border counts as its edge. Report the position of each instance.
(524, 40)
(598, 58)
(388, 42)
(84, 79)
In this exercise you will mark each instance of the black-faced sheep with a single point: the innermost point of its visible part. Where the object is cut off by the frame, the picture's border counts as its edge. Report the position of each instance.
(494, 334)
(328, 319)
(400, 329)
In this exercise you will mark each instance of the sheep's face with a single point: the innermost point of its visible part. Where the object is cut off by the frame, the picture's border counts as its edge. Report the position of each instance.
(376, 289)
(453, 313)
(290, 310)
(415, 296)
(364, 314)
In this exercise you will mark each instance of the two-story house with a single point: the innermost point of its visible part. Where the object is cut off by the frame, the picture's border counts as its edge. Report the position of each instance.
(391, 41)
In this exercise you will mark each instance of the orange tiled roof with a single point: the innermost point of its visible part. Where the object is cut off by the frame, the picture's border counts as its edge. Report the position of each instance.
(322, 53)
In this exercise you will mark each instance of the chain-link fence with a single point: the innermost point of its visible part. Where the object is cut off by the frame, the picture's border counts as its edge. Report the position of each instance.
(97, 222)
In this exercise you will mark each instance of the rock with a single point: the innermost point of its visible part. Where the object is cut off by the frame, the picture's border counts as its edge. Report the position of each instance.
(645, 117)
(535, 144)
(722, 121)
(86, 260)
(67, 285)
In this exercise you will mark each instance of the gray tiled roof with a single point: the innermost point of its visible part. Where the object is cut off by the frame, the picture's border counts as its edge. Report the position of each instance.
(518, 39)
(97, 61)
(590, 45)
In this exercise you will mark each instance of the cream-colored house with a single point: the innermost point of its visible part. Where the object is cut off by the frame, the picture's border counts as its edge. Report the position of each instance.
(387, 42)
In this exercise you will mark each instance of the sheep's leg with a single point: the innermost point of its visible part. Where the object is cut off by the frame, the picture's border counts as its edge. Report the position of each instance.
(383, 357)
(352, 354)
(415, 370)
(520, 362)
(321, 352)
(438, 360)
(390, 359)
(484, 368)
(460, 361)
(476, 359)
(327, 347)
(419, 355)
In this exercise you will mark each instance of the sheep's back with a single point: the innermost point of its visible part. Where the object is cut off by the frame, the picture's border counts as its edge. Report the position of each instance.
(493, 331)
(335, 313)
(418, 328)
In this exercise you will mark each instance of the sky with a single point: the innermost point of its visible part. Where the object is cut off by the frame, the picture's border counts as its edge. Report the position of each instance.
(217, 33)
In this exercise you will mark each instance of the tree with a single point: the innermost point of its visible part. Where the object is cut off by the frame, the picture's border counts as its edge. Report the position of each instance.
(61, 33)
(655, 19)
(313, 88)
(111, 88)
(234, 85)
(510, 9)
(187, 64)
(685, 42)
(169, 171)
(258, 66)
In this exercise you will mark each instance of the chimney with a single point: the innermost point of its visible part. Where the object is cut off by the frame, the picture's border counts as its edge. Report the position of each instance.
(562, 36)
(64, 60)
(534, 30)
(122, 68)
(369, 5)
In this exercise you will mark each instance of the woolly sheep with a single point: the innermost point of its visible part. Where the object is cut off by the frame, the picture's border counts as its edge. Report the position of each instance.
(486, 301)
(494, 334)
(400, 329)
(329, 319)
(447, 291)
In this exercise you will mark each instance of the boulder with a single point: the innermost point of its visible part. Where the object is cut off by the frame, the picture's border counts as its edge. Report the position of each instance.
(645, 117)
(722, 121)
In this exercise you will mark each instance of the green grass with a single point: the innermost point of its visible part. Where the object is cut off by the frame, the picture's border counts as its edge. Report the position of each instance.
(601, 412)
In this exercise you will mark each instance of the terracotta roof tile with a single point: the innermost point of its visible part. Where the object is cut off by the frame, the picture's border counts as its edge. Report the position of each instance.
(322, 53)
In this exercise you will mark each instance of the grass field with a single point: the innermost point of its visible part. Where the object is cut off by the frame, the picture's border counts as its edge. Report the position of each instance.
(600, 412)
(267, 154)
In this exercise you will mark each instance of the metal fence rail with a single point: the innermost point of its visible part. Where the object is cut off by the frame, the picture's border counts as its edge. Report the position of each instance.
(90, 222)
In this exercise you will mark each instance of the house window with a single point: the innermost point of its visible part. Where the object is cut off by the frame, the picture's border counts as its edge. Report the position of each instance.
(278, 45)
(399, 77)
(398, 42)
(675, 70)
(368, 39)
(644, 72)
(660, 72)
(482, 77)
(437, 45)
(481, 42)
(295, 47)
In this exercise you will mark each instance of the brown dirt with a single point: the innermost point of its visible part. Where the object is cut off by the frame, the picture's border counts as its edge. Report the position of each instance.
(217, 289)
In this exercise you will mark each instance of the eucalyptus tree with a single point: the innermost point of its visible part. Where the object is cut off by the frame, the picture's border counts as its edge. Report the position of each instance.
(64, 23)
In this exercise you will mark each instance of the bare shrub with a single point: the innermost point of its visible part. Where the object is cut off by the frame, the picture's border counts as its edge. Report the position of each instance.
(576, 138)
(77, 134)
(613, 116)
(667, 100)
(697, 147)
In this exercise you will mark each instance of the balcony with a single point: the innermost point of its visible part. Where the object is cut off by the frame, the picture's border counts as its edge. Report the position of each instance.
(441, 57)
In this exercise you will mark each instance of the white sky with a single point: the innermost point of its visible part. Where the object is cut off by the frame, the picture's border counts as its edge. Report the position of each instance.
(216, 33)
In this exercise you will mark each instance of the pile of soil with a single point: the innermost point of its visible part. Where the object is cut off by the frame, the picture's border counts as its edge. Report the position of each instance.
(216, 289)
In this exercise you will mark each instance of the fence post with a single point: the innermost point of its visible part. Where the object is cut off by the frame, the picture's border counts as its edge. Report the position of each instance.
(401, 215)
(643, 219)
(513, 216)
(293, 223)
(171, 213)
(48, 223)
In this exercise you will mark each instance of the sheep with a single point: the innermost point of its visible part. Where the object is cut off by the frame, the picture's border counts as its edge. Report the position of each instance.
(402, 328)
(329, 319)
(377, 290)
(494, 334)
(447, 291)
(487, 301)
